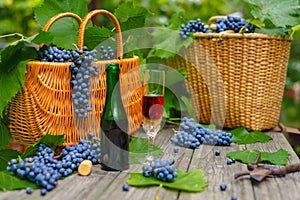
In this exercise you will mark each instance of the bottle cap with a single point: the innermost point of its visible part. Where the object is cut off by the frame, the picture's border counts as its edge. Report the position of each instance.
(112, 68)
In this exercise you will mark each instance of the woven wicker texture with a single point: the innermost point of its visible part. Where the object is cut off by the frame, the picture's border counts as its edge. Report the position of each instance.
(130, 78)
(45, 105)
(236, 79)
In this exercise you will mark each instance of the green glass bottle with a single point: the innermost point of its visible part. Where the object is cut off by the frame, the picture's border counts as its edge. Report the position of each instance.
(114, 126)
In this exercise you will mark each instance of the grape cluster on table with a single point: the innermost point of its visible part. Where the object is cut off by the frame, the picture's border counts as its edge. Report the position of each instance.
(235, 23)
(45, 171)
(162, 170)
(191, 135)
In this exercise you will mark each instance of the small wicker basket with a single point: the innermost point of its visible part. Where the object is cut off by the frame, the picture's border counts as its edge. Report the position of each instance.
(45, 104)
(236, 79)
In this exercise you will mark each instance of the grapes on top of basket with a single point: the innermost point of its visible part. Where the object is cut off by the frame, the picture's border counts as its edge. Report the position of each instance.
(234, 23)
(192, 26)
(106, 53)
(53, 54)
(191, 135)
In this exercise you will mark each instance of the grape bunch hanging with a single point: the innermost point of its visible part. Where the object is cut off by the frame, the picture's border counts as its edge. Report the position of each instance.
(191, 135)
(234, 23)
(81, 70)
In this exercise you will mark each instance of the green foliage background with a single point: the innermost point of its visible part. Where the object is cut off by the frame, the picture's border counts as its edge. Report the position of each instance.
(17, 16)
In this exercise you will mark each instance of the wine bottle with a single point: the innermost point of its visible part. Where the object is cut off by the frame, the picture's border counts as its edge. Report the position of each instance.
(114, 125)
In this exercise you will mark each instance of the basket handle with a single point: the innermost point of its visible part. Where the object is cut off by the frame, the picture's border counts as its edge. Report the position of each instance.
(59, 16)
(88, 17)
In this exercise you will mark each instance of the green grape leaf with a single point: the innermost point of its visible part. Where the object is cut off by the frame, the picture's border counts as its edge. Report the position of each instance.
(43, 38)
(242, 136)
(5, 156)
(64, 30)
(15, 53)
(5, 136)
(52, 141)
(281, 13)
(167, 41)
(10, 182)
(279, 157)
(131, 16)
(11, 83)
(193, 181)
(95, 35)
(138, 149)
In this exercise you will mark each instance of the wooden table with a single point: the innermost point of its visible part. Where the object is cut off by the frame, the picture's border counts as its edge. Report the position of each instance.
(108, 185)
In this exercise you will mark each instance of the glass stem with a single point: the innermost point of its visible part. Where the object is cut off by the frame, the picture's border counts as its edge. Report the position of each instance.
(150, 142)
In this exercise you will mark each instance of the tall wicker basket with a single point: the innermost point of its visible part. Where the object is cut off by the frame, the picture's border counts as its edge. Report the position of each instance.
(45, 105)
(236, 79)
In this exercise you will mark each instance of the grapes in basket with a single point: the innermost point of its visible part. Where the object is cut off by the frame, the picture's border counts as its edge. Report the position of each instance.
(191, 135)
(81, 70)
(234, 23)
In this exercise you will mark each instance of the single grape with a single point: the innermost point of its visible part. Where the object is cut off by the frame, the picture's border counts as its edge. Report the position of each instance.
(223, 187)
(125, 187)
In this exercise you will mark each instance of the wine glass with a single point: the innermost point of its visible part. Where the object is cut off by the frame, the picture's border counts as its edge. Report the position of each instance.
(152, 105)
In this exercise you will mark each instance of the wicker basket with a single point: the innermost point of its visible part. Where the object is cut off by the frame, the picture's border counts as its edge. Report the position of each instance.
(236, 79)
(45, 104)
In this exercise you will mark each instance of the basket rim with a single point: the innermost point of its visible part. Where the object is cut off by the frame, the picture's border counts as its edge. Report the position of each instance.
(241, 35)
(54, 64)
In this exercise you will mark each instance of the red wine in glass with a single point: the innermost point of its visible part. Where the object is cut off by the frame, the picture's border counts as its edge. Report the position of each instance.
(153, 106)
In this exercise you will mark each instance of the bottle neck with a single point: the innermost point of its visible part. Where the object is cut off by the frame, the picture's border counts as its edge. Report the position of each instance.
(112, 84)
(114, 109)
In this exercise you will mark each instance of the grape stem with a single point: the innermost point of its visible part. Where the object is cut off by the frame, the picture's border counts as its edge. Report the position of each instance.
(259, 172)
(13, 34)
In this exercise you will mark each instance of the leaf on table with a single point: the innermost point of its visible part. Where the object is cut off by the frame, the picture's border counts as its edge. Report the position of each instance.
(5, 156)
(5, 136)
(138, 149)
(52, 141)
(279, 157)
(10, 182)
(242, 136)
(193, 181)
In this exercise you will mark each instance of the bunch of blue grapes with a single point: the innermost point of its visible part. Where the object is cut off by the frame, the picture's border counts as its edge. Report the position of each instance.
(80, 81)
(44, 170)
(234, 23)
(54, 54)
(162, 170)
(106, 53)
(193, 26)
(191, 135)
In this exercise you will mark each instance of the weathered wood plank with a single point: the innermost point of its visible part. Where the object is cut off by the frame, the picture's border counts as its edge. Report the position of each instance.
(277, 188)
(216, 172)
(108, 185)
